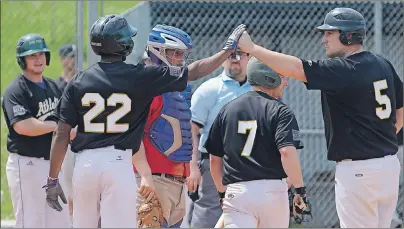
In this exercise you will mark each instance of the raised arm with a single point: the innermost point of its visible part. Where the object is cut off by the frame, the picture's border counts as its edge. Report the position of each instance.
(204, 67)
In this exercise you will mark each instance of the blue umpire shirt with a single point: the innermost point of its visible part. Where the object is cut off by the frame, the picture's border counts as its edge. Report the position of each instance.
(209, 98)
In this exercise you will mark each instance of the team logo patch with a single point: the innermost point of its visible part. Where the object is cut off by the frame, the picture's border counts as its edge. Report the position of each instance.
(175, 71)
(19, 110)
(296, 135)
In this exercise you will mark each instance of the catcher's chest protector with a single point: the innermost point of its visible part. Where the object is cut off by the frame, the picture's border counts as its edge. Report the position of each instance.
(170, 133)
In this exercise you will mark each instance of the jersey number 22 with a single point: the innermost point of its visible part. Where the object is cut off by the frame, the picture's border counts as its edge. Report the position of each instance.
(111, 125)
(243, 126)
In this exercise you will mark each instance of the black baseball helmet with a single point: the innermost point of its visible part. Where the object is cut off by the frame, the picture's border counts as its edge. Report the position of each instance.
(30, 44)
(347, 21)
(260, 74)
(112, 35)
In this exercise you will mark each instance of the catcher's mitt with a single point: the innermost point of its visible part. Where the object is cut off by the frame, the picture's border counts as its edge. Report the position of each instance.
(150, 215)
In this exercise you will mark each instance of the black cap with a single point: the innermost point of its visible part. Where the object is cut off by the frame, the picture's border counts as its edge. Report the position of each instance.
(68, 50)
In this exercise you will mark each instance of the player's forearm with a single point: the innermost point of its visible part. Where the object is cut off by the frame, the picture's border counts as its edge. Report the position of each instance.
(216, 168)
(34, 127)
(195, 144)
(289, 66)
(204, 67)
(291, 165)
(399, 119)
(61, 139)
(139, 160)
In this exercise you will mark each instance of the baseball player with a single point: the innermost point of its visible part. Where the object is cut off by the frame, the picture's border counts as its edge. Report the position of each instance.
(109, 103)
(255, 137)
(27, 105)
(67, 55)
(169, 158)
(362, 100)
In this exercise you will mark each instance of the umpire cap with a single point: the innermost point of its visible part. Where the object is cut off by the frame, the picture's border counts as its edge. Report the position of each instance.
(259, 74)
(30, 44)
(347, 21)
(68, 50)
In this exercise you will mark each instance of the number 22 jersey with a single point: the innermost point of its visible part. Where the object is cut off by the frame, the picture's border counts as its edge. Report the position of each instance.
(109, 102)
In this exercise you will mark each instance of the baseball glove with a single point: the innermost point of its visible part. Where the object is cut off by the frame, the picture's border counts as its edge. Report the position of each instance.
(150, 214)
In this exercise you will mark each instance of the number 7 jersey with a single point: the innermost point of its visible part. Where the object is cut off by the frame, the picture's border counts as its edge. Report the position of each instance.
(109, 102)
(248, 133)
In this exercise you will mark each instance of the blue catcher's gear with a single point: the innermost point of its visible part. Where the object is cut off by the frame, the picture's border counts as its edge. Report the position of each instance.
(171, 132)
(163, 37)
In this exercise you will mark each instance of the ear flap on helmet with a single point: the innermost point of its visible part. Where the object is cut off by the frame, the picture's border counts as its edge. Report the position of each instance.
(21, 62)
(47, 55)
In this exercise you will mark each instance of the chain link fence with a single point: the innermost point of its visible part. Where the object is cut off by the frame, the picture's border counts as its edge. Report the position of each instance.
(279, 25)
(288, 27)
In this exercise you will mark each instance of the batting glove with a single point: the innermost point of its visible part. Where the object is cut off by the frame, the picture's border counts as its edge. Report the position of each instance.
(53, 191)
(232, 41)
(301, 206)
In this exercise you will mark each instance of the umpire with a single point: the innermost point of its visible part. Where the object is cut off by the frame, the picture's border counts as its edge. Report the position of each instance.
(27, 105)
(362, 101)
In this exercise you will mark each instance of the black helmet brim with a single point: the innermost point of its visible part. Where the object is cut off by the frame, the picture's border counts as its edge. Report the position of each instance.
(325, 27)
(133, 31)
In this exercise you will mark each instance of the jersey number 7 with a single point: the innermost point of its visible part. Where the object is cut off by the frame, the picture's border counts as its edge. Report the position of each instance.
(111, 125)
(382, 99)
(243, 126)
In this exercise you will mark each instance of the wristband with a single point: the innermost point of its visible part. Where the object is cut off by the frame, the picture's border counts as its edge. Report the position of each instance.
(301, 191)
(221, 194)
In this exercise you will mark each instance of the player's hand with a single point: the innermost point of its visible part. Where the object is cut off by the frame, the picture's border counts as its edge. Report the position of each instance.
(301, 206)
(245, 43)
(73, 133)
(53, 192)
(147, 189)
(232, 41)
(194, 178)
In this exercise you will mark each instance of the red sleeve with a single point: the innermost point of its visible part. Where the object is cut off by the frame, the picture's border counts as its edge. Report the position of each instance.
(155, 111)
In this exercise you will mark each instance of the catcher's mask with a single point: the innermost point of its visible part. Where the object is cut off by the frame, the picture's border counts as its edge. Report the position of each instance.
(167, 43)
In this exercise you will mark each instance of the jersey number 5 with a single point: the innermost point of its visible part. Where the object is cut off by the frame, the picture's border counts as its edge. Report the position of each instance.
(243, 126)
(99, 107)
(382, 99)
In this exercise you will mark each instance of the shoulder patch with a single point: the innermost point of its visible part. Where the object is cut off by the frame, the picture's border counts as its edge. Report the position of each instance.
(296, 135)
(19, 110)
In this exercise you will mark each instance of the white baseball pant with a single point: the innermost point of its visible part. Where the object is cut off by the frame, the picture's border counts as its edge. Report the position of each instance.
(366, 192)
(104, 185)
(26, 176)
(256, 204)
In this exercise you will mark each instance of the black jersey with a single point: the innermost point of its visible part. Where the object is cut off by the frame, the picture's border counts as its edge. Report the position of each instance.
(109, 102)
(248, 132)
(62, 83)
(360, 95)
(25, 99)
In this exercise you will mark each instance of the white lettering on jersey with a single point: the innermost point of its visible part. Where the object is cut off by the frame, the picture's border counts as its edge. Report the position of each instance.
(46, 107)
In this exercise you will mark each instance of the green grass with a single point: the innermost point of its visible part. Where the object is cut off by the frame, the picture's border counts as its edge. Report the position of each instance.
(56, 22)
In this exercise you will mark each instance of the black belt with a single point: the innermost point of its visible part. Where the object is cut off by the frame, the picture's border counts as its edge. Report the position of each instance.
(363, 159)
(204, 156)
(171, 177)
(120, 148)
